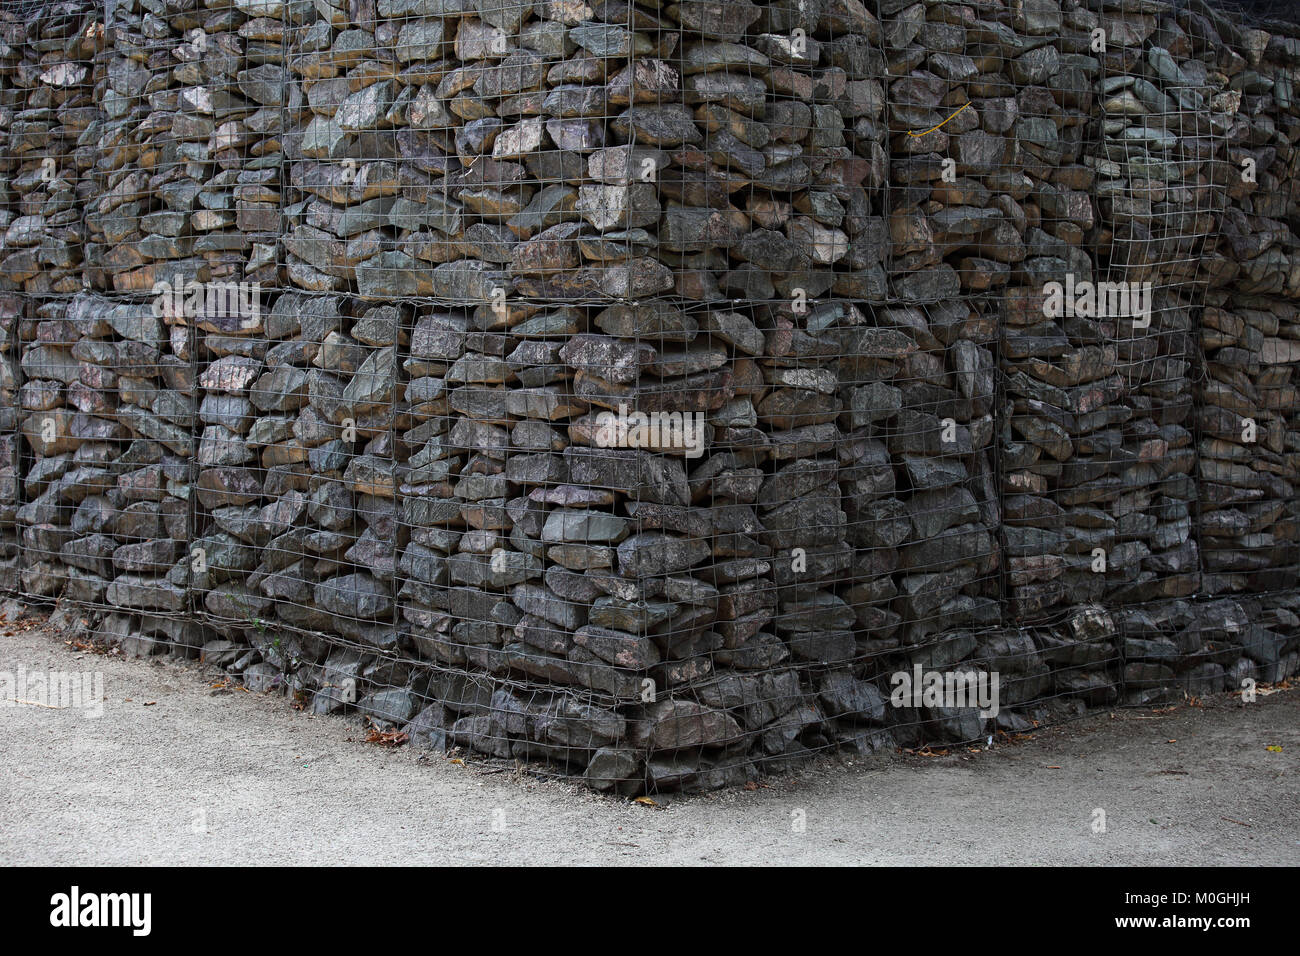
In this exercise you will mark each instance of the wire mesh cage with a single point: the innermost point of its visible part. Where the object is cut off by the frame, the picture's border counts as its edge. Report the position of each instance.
(658, 393)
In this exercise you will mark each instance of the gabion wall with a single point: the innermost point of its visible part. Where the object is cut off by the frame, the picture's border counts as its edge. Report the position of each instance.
(640, 390)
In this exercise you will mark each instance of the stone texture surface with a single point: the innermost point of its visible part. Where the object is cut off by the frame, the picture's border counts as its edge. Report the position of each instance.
(454, 246)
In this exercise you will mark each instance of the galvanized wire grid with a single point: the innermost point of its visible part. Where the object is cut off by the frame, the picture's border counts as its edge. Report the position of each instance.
(323, 322)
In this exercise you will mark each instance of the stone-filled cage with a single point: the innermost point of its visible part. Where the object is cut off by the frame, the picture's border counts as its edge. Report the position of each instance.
(659, 393)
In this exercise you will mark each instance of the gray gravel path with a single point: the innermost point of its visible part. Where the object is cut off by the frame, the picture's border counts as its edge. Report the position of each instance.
(1194, 785)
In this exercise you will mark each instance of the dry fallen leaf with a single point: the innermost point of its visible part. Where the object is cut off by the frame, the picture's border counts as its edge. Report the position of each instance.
(386, 738)
(926, 752)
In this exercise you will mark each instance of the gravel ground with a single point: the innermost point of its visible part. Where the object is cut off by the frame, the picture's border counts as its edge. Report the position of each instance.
(176, 771)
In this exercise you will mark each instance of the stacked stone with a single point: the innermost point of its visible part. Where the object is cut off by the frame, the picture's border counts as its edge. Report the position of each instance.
(1224, 644)
(12, 100)
(1247, 401)
(1046, 672)
(1274, 648)
(11, 441)
(107, 413)
(1097, 468)
(187, 154)
(987, 115)
(565, 152)
(1244, 520)
(404, 485)
(921, 498)
(449, 153)
(273, 517)
(1248, 430)
(48, 60)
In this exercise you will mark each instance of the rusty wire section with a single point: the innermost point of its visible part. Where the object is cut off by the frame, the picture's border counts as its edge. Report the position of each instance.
(643, 392)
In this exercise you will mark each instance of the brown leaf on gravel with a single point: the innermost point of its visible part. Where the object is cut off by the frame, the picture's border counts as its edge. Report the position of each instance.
(386, 738)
